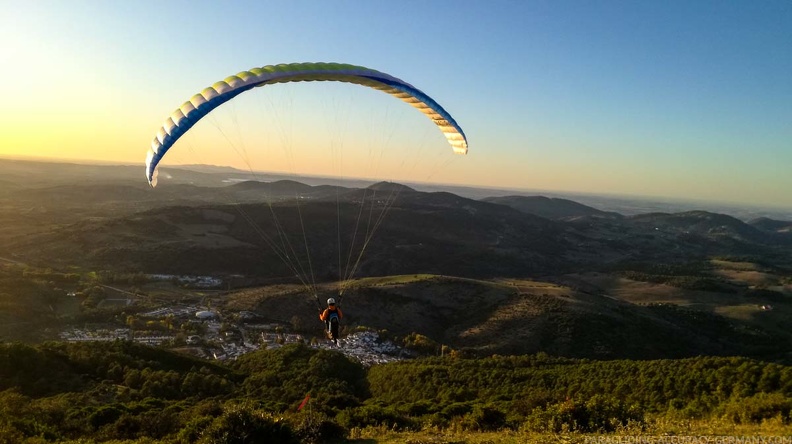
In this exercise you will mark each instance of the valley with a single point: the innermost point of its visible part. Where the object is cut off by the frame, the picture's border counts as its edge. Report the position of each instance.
(525, 275)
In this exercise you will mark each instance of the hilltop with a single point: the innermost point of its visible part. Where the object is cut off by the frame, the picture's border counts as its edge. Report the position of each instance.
(549, 208)
(768, 224)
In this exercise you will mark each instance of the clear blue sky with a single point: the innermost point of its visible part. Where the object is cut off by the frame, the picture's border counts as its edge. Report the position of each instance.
(673, 98)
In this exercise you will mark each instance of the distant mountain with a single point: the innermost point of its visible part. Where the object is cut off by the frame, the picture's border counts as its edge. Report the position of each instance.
(549, 208)
(209, 169)
(418, 232)
(39, 173)
(767, 224)
(390, 187)
(90, 193)
(265, 190)
(290, 190)
(703, 223)
(114, 225)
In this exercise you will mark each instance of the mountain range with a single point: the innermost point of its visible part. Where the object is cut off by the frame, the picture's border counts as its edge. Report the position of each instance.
(512, 274)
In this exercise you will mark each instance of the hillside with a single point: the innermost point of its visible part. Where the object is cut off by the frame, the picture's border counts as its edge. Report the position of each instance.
(772, 225)
(683, 237)
(441, 233)
(422, 232)
(123, 392)
(519, 317)
(589, 285)
(707, 224)
(549, 208)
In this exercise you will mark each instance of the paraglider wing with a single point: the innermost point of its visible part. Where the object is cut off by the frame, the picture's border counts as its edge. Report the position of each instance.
(187, 115)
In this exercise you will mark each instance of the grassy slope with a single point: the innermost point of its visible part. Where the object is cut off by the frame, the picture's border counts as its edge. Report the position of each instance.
(520, 316)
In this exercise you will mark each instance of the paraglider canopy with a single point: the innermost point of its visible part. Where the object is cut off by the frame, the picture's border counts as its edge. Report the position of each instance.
(201, 104)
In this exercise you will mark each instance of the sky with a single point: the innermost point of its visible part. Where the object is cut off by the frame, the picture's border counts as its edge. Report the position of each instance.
(672, 99)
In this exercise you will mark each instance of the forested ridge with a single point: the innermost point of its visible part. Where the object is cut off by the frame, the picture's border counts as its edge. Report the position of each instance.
(124, 391)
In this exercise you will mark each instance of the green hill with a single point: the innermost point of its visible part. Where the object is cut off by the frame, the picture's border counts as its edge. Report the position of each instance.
(122, 391)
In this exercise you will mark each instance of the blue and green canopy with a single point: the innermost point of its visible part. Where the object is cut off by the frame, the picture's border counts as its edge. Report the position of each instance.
(201, 104)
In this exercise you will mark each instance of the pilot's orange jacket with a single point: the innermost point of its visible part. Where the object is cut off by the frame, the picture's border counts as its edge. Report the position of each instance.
(328, 311)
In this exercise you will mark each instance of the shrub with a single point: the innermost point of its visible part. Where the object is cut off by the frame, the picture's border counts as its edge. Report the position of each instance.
(456, 409)
(8, 433)
(759, 407)
(242, 424)
(316, 429)
(606, 414)
(191, 431)
(373, 415)
(419, 408)
(104, 415)
(485, 418)
(598, 414)
(421, 344)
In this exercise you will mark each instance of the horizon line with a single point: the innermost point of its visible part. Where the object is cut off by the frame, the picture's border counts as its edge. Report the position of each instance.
(561, 193)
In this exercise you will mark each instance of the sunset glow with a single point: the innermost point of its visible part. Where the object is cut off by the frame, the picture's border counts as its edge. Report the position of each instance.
(678, 100)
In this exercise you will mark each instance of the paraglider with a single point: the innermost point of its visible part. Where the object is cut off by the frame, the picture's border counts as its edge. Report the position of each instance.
(188, 114)
(201, 104)
(332, 316)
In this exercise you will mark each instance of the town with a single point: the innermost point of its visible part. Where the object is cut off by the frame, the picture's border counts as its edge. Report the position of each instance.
(217, 334)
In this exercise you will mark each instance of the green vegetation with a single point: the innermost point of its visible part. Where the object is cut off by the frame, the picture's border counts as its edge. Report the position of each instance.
(689, 276)
(124, 391)
(544, 392)
(686, 289)
(36, 303)
(32, 301)
(686, 282)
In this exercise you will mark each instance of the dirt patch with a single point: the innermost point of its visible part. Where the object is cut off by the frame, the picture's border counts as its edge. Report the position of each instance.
(748, 277)
(638, 292)
(740, 266)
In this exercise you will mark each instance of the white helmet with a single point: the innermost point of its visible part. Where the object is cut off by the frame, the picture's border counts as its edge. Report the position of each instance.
(331, 301)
